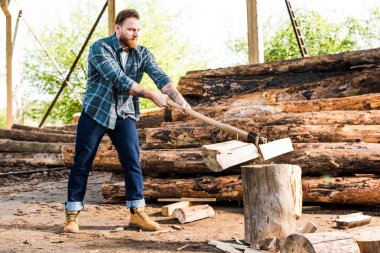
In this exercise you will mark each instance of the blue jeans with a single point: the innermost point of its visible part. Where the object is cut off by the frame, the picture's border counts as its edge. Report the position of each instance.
(125, 139)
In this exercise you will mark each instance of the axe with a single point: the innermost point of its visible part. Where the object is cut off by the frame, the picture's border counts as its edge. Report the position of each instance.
(220, 156)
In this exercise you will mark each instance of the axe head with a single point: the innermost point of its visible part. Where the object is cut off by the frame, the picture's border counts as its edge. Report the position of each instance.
(275, 148)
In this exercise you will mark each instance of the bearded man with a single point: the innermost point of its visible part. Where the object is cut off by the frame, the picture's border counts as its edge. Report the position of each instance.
(116, 65)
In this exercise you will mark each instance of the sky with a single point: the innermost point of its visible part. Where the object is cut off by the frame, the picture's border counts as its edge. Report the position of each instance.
(207, 22)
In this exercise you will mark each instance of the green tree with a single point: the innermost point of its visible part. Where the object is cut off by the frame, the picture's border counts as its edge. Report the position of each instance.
(172, 53)
(321, 37)
(3, 123)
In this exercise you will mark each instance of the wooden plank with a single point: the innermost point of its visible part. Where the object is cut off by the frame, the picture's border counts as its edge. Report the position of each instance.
(7, 145)
(221, 156)
(193, 213)
(168, 209)
(353, 221)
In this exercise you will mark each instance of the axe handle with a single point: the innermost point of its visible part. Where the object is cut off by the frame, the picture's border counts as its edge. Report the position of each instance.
(238, 133)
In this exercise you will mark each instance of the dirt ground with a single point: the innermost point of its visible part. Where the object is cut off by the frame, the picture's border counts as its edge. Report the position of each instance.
(32, 217)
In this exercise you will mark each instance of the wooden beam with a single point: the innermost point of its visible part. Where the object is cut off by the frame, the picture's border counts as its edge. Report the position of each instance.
(111, 17)
(8, 35)
(255, 38)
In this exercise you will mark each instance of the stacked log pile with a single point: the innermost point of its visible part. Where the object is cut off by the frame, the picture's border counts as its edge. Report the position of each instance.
(25, 150)
(328, 106)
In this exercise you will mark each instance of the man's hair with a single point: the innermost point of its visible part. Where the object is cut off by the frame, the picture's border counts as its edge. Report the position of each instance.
(124, 14)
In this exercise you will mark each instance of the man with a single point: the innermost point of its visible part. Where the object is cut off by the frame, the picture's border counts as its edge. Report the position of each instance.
(111, 105)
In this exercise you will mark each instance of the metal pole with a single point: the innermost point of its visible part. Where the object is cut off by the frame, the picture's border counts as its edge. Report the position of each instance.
(16, 29)
(73, 66)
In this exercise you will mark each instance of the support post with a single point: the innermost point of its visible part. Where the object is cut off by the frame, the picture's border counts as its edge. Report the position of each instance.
(255, 37)
(111, 17)
(8, 34)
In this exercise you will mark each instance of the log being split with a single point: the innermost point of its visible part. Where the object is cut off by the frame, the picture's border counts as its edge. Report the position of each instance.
(272, 200)
(320, 243)
(193, 213)
(340, 190)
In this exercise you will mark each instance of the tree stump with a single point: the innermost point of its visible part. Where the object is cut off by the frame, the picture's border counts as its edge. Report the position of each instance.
(326, 242)
(272, 196)
(368, 240)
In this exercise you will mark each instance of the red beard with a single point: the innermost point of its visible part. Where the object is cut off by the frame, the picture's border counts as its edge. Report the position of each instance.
(129, 43)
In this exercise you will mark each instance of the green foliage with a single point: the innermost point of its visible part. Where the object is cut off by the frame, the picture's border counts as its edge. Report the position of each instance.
(3, 120)
(321, 37)
(64, 42)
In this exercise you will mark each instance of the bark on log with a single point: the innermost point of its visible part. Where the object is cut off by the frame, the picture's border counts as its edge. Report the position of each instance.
(347, 60)
(221, 188)
(41, 130)
(186, 137)
(26, 135)
(270, 201)
(340, 190)
(250, 119)
(7, 145)
(287, 86)
(313, 158)
(153, 162)
(259, 104)
(340, 76)
(68, 127)
(153, 117)
(320, 243)
(32, 159)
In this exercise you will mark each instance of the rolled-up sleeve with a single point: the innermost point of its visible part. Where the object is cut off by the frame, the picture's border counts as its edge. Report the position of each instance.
(101, 58)
(155, 72)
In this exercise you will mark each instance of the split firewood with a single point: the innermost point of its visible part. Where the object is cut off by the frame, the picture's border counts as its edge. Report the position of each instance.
(168, 209)
(193, 213)
(310, 227)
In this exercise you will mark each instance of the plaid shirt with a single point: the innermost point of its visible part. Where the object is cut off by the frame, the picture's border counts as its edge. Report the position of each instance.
(107, 92)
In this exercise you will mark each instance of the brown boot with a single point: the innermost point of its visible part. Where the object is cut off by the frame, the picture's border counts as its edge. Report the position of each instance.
(140, 219)
(72, 222)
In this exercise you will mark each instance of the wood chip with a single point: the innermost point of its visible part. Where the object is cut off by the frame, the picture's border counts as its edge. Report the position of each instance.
(184, 246)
